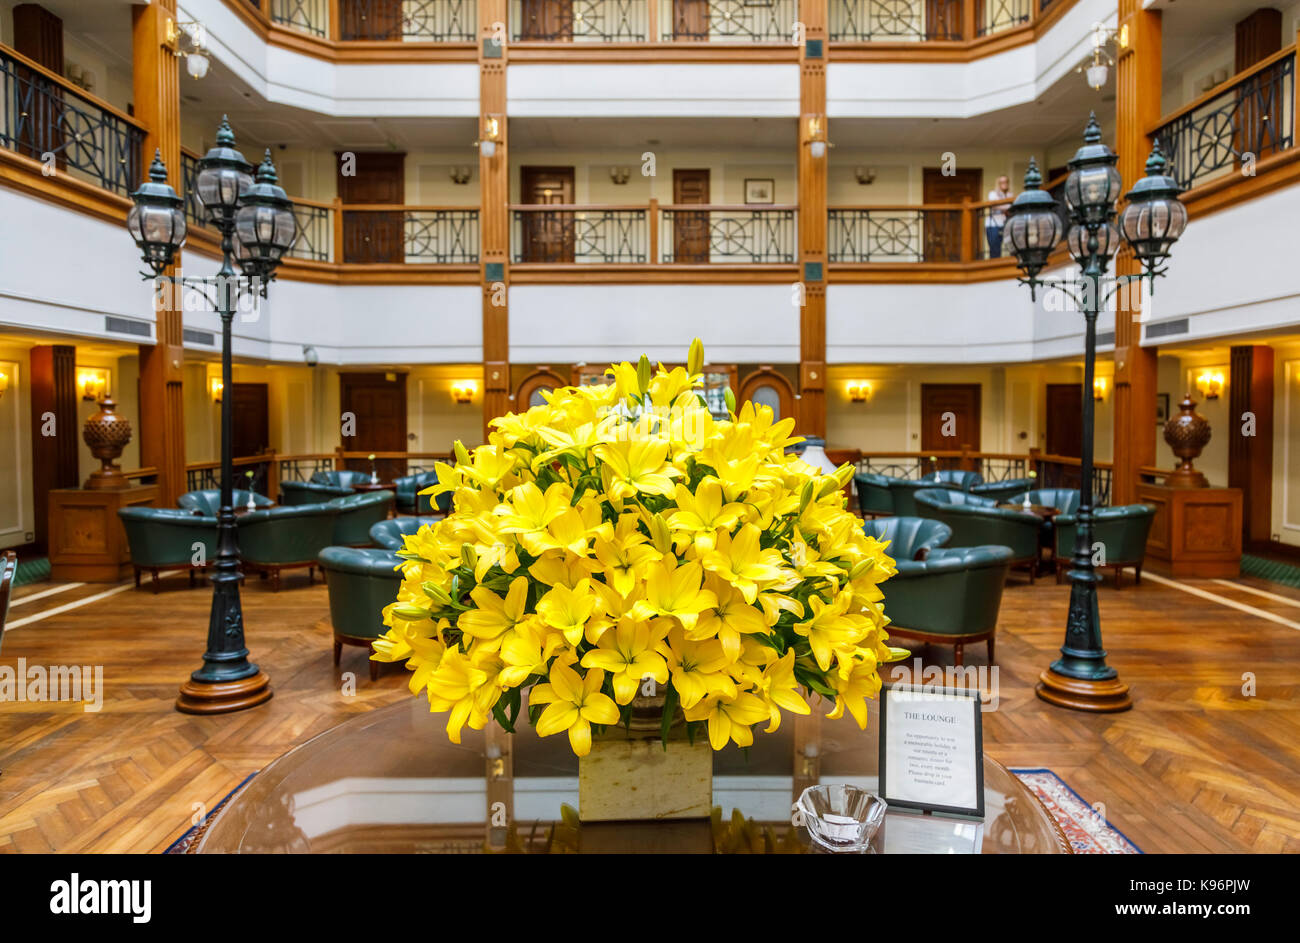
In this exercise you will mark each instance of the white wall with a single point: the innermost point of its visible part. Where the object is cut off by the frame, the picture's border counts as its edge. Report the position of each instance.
(17, 517)
(653, 90)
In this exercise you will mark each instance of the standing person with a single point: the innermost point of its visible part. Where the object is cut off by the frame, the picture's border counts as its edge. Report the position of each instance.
(997, 216)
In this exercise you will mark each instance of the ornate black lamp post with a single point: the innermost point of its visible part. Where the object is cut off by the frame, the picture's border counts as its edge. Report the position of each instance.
(257, 228)
(1151, 223)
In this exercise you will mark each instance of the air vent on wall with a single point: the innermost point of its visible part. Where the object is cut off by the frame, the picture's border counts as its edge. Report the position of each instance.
(126, 326)
(1106, 339)
(198, 337)
(1167, 328)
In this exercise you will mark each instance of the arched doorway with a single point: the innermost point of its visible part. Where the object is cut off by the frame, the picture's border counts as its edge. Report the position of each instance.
(768, 387)
(531, 388)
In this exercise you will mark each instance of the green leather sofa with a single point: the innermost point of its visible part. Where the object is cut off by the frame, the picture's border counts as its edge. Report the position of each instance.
(391, 534)
(409, 499)
(357, 514)
(361, 583)
(951, 597)
(1065, 500)
(276, 539)
(1001, 491)
(978, 521)
(168, 539)
(910, 538)
(208, 501)
(322, 486)
(874, 495)
(904, 490)
(1121, 530)
(8, 573)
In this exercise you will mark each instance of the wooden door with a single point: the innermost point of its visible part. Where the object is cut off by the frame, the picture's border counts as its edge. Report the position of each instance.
(251, 432)
(1065, 419)
(370, 236)
(377, 402)
(1258, 36)
(690, 21)
(950, 416)
(943, 19)
(38, 35)
(690, 230)
(549, 20)
(370, 19)
(547, 237)
(942, 230)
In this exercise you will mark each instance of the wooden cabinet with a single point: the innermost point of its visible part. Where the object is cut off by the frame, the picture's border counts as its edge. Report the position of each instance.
(1196, 531)
(87, 540)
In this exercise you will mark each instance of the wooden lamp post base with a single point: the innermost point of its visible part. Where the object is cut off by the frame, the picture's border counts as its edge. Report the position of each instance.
(1107, 696)
(196, 698)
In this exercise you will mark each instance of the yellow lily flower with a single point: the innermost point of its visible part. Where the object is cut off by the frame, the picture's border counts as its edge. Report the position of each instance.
(568, 609)
(633, 466)
(829, 629)
(573, 703)
(701, 514)
(740, 561)
(526, 649)
(623, 553)
(529, 511)
(729, 619)
(729, 718)
(630, 655)
(698, 668)
(675, 591)
(779, 688)
(851, 692)
(494, 615)
(464, 688)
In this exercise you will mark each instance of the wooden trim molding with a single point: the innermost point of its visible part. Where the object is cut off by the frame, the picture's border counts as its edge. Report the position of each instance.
(547, 273)
(25, 174)
(541, 377)
(769, 376)
(1272, 173)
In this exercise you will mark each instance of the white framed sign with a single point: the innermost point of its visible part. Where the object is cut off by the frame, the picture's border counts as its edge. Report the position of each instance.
(931, 749)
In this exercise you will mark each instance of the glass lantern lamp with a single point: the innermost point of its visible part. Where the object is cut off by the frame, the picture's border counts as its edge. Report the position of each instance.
(1078, 239)
(1153, 218)
(157, 220)
(1033, 226)
(1094, 182)
(224, 176)
(265, 227)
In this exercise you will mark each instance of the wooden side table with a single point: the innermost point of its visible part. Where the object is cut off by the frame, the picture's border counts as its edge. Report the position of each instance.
(1196, 531)
(87, 540)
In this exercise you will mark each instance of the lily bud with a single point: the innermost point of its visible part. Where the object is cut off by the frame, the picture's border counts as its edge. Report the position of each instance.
(660, 536)
(730, 399)
(695, 358)
(468, 556)
(436, 593)
(462, 454)
(806, 495)
(409, 613)
(643, 374)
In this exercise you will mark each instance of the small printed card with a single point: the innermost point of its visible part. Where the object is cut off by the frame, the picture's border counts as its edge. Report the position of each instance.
(931, 750)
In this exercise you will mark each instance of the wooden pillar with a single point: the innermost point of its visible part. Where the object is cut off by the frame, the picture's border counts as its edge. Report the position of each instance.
(156, 79)
(1137, 78)
(1250, 457)
(811, 411)
(55, 433)
(494, 215)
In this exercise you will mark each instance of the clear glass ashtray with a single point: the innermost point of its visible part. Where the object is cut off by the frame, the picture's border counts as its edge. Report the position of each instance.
(841, 817)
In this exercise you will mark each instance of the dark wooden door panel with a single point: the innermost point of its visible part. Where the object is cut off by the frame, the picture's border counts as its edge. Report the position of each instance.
(550, 20)
(943, 229)
(378, 406)
(950, 416)
(251, 431)
(370, 19)
(1065, 419)
(379, 177)
(690, 20)
(690, 230)
(548, 237)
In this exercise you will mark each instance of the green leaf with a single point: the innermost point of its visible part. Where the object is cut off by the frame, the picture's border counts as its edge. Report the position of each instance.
(500, 715)
(670, 710)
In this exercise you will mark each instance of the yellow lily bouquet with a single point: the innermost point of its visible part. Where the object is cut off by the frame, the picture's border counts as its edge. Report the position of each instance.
(619, 538)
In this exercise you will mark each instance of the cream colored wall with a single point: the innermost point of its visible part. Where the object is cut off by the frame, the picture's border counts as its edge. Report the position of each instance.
(1286, 444)
(434, 416)
(124, 385)
(900, 173)
(17, 513)
(1176, 375)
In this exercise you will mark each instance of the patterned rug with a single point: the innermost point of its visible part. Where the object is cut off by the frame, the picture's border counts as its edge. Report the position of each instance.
(32, 571)
(1089, 833)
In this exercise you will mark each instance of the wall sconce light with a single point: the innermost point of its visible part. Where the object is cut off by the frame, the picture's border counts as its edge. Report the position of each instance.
(92, 382)
(619, 175)
(490, 135)
(859, 390)
(1098, 70)
(1099, 388)
(1210, 384)
(816, 136)
(216, 388)
(4, 383)
(866, 175)
(460, 176)
(190, 40)
(462, 391)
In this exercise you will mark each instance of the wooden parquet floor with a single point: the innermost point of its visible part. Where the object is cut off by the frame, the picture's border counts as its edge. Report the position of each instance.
(1196, 766)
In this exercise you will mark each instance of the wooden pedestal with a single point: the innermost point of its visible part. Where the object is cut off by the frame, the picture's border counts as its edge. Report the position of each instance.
(87, 541)
(1196, 531)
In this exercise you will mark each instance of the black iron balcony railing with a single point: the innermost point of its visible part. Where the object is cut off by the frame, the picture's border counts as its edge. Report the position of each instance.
(315, 231)
(427, 21)
(411, 235)
(46, 118)
(895, 20)
(727, 21)
(994, 16)
(1248, 118)
(600, 21)
(723, 235)
(580, 234)
(896, 234)
(307, 16)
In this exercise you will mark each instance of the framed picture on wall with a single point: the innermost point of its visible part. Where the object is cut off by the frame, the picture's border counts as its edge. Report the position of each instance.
(760, 190)
(1162, 408)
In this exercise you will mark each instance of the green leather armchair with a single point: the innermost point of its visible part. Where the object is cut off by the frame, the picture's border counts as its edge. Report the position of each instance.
(874, 496)
(282, 538)
(322, 486)
(910, 538)
(357, 514)
(951, 597)
(409, 499)
(1001, 491)
(391, 534)
(1121, 530)
(361, 583)
(208, 501)
(978, 521)
(954, 478)
(8, 574)
(1065, 500)
(168, 539)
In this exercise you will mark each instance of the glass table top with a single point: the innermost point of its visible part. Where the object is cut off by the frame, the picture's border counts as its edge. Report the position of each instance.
(389, 781)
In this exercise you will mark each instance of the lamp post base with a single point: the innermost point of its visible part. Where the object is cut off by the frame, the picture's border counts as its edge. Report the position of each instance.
(1107, 696)
(222, 698)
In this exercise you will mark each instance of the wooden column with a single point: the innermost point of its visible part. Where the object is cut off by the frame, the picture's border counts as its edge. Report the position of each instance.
(1137, 78)
(811, 411)
(494, 215)
(1250, 457)
(156, 96)
(55, 433)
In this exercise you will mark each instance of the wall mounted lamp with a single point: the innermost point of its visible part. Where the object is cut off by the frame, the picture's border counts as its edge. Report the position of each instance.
(1099, 388)
(619, 175)
(489, 135)
(216, 388)
(4, 383)
(93, 383)
(866, 175)
(859, 390)
(815, 136)
(1097, 71)
(460, 175)
(462, 391)
(1210, 383)
(189, 39)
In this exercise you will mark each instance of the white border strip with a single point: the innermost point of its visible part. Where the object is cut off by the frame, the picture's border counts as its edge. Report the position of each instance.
(77, 604)
(43, 593)
(1260, 613)
(1285, 600)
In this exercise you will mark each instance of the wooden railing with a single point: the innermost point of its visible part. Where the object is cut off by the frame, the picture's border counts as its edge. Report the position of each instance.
(943, 21)
(1049, 471)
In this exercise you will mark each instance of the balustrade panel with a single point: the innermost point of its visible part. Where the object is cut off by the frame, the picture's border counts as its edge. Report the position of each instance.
(895, 20)
(583, 236)
(581, 21)
(728, 236)
(727, 21)
(895, 235)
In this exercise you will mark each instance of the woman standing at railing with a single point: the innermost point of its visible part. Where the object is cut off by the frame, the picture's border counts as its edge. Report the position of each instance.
(997, 217)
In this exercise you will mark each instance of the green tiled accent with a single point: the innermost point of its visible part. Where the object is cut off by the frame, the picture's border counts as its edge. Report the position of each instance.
(32, 571)
(812, 271)
(812, 49)
(492, 49)
(1283, 573)
(494, 271)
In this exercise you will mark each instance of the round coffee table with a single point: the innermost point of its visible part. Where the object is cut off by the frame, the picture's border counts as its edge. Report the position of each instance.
(389, 781)
(366, 486)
